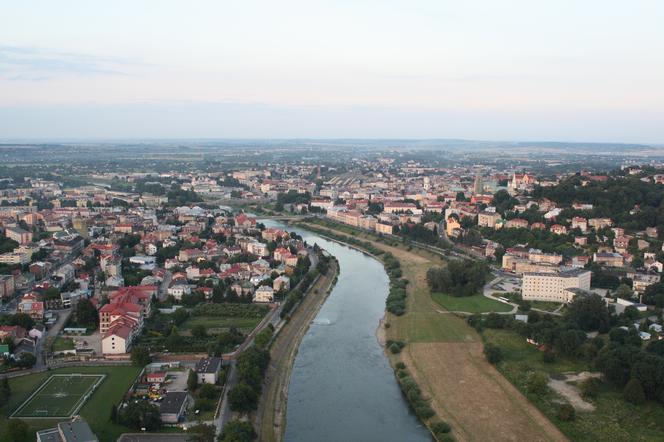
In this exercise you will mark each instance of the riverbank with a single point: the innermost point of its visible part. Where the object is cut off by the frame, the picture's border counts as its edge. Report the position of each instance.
(270, 418)
(478, 402)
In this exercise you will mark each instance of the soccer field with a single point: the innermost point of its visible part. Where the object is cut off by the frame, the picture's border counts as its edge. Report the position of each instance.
(61, 395)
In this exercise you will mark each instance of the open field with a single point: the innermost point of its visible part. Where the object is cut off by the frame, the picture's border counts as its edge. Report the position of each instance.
(444, 355)
(61, 344)
(470, 304)
(96, 410)
(613, 418)
(60, 396)
(216, 324)
(472, 396)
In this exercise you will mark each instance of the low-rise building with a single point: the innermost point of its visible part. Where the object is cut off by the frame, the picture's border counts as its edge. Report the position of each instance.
(554, 287)
(208, 369)
(6, 286)
(264, 293)
(173, 406)
(76, 430)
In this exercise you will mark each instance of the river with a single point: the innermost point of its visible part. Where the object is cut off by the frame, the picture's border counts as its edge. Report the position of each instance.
(342, 387)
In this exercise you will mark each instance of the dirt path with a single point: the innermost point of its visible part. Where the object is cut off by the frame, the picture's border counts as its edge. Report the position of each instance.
(270, 418)
(571, 392)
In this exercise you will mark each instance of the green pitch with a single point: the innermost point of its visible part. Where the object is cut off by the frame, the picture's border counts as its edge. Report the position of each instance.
(61, 395)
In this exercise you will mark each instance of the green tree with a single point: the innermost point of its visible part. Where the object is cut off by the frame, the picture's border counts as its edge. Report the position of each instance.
(589, 387)
(5, 391)
(633, 392)
(86, 313)
(615, 363)
(17, 431)
(242, 398)
(624, 291)
(51, 293)
(26, 360)
(179, 316)
(192, 380)
(236, 431)
(208, 391)
(588, 313)
(22, 319)
(493, 353)
(199, 331)
(141, 414)
(537, 383)
(140, 356)
(174, 340)
(261, 340)
(566, 412)
(202, 433)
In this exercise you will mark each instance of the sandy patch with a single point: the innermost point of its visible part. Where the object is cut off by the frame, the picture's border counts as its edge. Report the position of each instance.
(571, 392)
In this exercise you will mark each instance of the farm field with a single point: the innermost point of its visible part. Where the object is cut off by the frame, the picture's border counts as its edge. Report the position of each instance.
(96, 410)
(216, 324)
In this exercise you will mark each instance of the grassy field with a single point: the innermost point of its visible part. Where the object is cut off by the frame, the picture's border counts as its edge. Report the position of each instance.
(216, 324)
(96, 410)
(470, 304)
(61, 344)
(613, 418)
(59, 396)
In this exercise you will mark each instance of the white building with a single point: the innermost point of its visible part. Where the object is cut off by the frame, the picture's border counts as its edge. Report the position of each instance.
(554, 287)
(145, 262)
(178, 290)
(207, 370)
(117, 340)
(264, 293)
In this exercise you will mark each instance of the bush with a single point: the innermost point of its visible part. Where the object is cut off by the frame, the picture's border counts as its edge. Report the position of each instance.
(424, 411)
(440, 427)
(589, 387)
(395, 346)
(493, 353)
(400, 365)
(566, 413)
(537, 383)
(548, 357)
(633, 392)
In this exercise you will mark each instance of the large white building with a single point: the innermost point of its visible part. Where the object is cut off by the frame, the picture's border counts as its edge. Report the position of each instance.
(554, 287)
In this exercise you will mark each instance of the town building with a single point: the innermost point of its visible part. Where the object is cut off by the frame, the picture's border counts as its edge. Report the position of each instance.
(208, 369)
(554, 287)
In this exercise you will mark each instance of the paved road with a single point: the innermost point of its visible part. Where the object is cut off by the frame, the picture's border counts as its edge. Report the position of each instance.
(225, 414)
(52, 332)
(163, 287)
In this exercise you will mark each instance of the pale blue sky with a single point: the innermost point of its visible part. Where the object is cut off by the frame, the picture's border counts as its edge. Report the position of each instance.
(585, 70)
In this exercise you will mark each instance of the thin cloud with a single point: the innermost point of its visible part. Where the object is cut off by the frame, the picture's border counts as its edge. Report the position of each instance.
(36, 64)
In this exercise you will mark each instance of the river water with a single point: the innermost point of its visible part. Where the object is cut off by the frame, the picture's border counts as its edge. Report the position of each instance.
(342, 387)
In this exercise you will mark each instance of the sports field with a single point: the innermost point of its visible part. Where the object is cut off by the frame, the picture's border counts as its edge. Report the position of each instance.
(60, 396)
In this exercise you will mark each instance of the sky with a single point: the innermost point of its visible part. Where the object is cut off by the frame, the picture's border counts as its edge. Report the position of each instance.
(560, 70)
